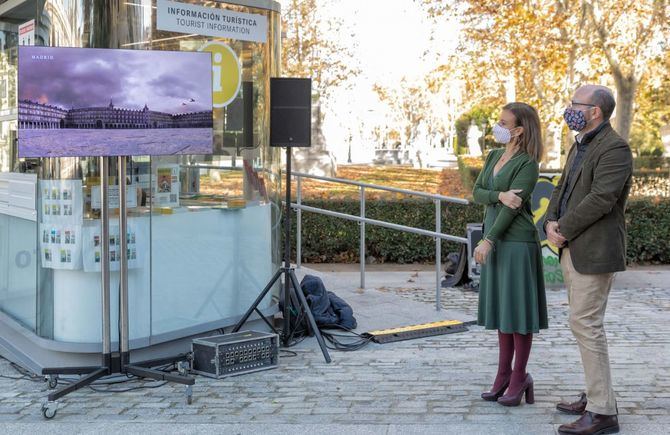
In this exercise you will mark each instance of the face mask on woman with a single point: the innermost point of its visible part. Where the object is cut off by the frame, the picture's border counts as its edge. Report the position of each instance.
(501, 134)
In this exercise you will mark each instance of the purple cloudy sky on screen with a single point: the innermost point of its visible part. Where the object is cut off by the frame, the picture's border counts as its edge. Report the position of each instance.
(164, 80)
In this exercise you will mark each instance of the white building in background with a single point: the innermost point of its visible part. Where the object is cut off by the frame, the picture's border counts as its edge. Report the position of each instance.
(33, 115)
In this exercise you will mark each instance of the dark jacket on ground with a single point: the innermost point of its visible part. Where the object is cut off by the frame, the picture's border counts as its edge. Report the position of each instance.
(593, 221)
(328, 309)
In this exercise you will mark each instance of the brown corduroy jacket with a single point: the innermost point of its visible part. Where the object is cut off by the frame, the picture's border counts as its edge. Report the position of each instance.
(593, 222)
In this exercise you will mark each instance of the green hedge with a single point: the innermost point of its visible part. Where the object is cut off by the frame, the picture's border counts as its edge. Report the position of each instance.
(469, 168)
(327, 239)
(648, 224)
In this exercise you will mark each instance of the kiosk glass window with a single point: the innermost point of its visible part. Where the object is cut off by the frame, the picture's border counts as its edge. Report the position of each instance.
(214, 232)
(18, 268)
(203, 229)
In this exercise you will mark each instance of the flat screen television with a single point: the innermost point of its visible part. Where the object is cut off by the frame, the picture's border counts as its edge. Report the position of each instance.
(108, 102)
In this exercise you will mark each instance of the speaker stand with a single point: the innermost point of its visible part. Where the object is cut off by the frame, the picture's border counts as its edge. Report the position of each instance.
(291, 287)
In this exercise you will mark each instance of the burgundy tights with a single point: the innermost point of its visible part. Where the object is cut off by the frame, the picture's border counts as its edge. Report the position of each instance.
(505, 355)
(511, 345)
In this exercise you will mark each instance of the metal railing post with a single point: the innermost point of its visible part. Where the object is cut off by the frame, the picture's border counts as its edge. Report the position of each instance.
(298, 236)
(363, 220)
(438, 253)
(362, 238)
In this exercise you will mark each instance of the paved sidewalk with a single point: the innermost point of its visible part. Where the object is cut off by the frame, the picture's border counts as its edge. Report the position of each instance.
(422, 386)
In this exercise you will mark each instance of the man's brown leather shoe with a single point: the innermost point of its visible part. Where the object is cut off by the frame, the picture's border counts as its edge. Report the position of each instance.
(591, 424)
(574, 408)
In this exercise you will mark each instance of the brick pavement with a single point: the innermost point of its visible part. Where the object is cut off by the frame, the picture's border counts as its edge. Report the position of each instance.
(430, 385)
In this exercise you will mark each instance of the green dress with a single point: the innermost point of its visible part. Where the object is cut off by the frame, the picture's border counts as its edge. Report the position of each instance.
(511, 290)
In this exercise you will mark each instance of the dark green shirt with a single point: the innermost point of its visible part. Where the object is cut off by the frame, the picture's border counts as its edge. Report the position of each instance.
(500, 221)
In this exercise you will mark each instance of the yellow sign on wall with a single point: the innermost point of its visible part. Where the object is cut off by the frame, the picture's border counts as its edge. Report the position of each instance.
(226, 73)
(540, 201)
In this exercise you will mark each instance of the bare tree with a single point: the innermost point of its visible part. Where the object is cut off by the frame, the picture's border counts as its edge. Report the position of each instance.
(310, 49)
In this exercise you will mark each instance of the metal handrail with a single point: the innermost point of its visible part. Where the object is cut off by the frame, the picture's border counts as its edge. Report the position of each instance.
(437, 235)
(379, 223)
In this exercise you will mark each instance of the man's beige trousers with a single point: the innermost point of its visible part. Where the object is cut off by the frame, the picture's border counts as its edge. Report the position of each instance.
(587, 297)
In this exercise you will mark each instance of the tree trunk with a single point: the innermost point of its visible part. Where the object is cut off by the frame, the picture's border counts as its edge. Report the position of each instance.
(318, 139)
(626, 87)
(552, 146)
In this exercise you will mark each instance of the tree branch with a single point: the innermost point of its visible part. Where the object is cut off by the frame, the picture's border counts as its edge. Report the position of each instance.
(603, 37)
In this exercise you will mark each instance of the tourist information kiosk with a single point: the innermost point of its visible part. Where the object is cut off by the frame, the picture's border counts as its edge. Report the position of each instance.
(201, 228)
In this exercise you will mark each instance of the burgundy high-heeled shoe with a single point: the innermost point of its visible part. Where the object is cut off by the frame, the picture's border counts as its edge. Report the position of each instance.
(515, 399)
(492, 396)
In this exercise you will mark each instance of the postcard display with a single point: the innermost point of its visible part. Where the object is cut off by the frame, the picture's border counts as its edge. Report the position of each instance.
(92, 248)
(67, 243)
(62, 219)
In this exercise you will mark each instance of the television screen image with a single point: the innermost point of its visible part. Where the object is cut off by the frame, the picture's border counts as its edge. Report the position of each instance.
(107, 102)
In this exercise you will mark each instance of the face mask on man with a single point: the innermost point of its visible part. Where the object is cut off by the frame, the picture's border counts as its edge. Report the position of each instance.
(576, 119)
(501, 134)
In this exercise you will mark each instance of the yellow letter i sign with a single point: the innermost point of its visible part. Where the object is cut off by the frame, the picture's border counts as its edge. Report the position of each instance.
(226, 73)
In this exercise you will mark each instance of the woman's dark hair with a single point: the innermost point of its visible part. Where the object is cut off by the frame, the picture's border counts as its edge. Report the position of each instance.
(530, 141)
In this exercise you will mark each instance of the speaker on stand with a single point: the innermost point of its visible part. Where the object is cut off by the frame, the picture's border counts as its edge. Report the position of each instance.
(290, 126)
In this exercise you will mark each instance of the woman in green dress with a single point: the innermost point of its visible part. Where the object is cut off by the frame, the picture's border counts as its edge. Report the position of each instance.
(511, 290)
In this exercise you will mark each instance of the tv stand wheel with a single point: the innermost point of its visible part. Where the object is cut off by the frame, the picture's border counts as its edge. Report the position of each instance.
(52, 381)
(183, 367)
(49, 410)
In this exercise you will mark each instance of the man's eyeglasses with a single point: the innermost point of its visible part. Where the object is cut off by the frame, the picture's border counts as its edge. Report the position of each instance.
(575, 103)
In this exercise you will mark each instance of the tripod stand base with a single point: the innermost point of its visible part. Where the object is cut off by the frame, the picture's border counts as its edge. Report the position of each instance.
(92, 374)
(158, 375)
(142, 372)
(81, 383)
(294, 291)
(50, 407)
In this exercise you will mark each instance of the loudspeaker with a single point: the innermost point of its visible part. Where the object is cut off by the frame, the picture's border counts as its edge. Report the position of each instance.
(240, 117)
(290, 112)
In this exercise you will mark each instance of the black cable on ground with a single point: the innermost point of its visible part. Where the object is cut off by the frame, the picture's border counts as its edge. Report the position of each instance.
(349, 346)
(291, 354)
(297, 335)
(298, 340)
(344, 346)
(125, 390)
(16, 378)
(335, 340)
(25, 375)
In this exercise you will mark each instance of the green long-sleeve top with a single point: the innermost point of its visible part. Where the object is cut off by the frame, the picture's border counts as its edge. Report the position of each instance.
(500, 221)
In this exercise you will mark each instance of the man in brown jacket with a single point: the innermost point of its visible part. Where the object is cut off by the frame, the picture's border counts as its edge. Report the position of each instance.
(585, 218)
